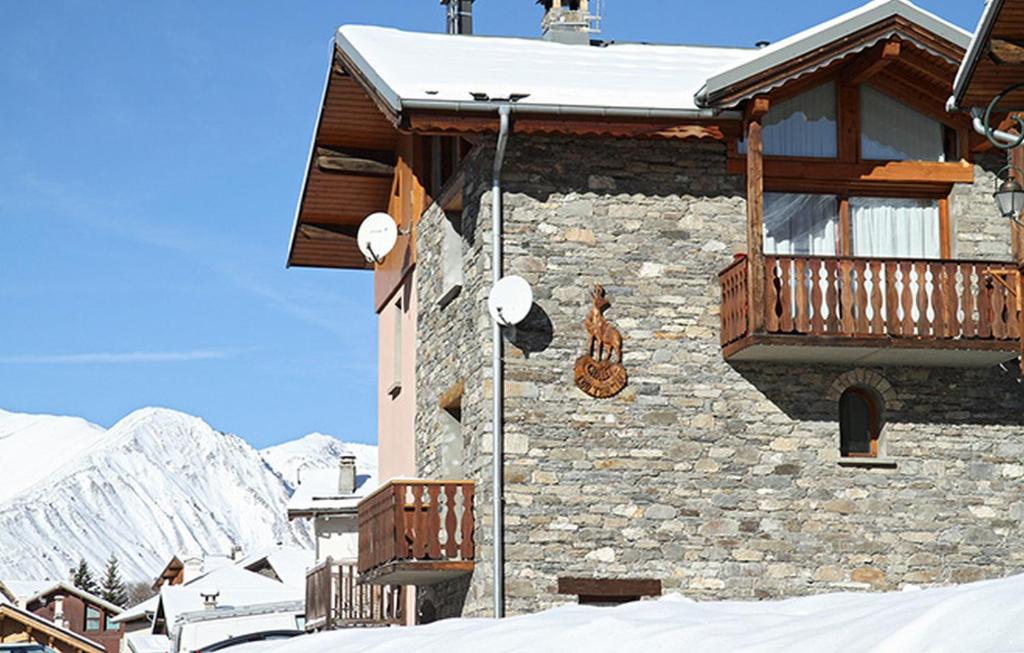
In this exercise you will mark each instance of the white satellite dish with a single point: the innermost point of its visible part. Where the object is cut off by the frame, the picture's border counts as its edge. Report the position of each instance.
(510, 301)
(377, 236)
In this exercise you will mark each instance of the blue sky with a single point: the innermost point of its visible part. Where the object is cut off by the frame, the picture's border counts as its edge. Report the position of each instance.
(150, 158)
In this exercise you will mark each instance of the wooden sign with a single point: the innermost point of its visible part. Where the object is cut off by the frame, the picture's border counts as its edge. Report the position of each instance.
(599, 372)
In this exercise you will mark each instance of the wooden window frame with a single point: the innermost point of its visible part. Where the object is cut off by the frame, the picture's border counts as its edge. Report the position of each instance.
(874, 427)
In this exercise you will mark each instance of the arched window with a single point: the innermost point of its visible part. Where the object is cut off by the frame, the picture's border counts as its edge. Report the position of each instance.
(859, 423)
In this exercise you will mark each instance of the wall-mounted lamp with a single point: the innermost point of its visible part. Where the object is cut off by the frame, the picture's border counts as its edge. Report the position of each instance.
(1009, 194)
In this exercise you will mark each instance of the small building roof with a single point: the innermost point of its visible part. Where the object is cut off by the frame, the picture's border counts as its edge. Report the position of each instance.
(442, 71)
(288, 563)
(236, 587)
(141, 641)
(144, 610)
(832, 31)
(318, 494)
(29, 591)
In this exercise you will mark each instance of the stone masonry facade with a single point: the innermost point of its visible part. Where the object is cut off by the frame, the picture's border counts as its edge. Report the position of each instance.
(721, 480)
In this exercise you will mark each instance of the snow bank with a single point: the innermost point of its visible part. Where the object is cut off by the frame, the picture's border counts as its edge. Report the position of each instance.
(980, 617)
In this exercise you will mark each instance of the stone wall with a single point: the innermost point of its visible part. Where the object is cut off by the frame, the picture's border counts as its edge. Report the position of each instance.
(721, 480)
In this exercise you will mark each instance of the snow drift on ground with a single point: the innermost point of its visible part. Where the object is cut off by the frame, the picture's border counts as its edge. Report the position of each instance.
(156, 484)
(980, 617)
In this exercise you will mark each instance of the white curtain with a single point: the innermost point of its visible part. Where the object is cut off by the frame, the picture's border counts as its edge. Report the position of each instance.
(800, 224)
(803, 125)
(892, 131)
(895, 228)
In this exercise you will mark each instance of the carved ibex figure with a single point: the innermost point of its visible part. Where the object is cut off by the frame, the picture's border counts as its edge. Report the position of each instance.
(603, 336)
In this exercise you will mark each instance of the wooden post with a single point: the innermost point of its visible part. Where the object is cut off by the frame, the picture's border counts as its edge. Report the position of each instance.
(755, 213)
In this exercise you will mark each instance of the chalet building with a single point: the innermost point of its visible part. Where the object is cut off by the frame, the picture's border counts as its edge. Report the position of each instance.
(22, 628)
(70, 609)
(773, 343)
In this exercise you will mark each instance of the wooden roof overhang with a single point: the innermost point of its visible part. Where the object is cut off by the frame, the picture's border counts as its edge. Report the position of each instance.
(930, 58)
(995, 60)
(354, 163)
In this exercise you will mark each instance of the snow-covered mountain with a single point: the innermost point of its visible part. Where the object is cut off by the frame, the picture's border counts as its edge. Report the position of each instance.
(317, 451)
(157, 483)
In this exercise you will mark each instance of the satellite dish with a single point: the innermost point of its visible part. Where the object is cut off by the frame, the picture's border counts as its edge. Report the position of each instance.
(510, 301)
(377, 237)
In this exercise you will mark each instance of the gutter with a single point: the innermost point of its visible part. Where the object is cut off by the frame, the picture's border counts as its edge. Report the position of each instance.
(490, 106)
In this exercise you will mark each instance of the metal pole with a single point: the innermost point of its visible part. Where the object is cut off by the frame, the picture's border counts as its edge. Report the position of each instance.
(497, 426)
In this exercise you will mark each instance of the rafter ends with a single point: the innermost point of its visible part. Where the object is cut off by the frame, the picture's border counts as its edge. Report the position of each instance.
(873, 62)
(758, 107)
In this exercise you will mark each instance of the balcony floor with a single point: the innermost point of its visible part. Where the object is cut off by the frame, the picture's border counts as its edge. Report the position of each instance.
(418, 572)
(882, 351)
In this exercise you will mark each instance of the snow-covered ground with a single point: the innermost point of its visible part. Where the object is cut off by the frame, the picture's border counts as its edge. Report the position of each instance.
(980, 617)
(156, 484)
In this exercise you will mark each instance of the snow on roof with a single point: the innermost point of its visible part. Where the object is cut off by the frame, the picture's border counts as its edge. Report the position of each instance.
(318, 493)
(237, 587)
(139, 611)
(830, 31)
(288, 562)
(986, 616)
(142, 641)
(420, 70)
(23, 589)
(27, 591)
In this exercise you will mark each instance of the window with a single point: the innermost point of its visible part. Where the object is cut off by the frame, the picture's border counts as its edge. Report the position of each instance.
(904, 228)
(110, 624)
(93, 618)
(804, 125)
(892, 131)
(452, 445)
(796, 223)
(859, 423)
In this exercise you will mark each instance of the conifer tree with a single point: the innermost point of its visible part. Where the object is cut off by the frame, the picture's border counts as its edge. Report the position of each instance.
(114, 590)
(83, 579)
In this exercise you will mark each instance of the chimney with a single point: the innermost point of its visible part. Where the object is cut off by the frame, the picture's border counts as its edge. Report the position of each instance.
(569, 21)
(58, 611)
(210, 598)
(347, 474)
(460, 16)
(236, 553)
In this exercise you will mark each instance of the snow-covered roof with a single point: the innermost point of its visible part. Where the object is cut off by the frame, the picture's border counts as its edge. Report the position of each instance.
(237, 587)
(27, 591)
(288, 562)
(13, 613)
(419, 70)
(141, 641)
(830, 31)
(318, 494)
(139, 611)
(985, 616)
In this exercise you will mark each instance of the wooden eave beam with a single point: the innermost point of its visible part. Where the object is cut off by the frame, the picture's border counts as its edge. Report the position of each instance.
(447, 124)
(907, 172)
(872, 62)
(1006, 50)
(366, 163)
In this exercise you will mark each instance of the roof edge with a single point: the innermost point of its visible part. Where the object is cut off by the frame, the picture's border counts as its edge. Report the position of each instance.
(986, 24)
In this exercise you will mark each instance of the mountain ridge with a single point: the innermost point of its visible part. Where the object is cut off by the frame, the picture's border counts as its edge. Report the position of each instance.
(156, 483)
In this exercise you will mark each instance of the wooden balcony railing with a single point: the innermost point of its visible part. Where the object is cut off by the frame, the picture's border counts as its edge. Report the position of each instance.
(336, 599)
(417, 522)
(864, 297)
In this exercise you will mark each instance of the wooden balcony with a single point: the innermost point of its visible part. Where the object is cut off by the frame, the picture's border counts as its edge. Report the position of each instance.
(416, 532)
(849, 310)
(336, 598)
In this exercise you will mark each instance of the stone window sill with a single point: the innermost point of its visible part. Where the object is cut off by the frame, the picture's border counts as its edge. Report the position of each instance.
(882, 463)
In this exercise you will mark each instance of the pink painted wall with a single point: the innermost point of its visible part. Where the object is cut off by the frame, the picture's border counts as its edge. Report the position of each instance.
(396, 406)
